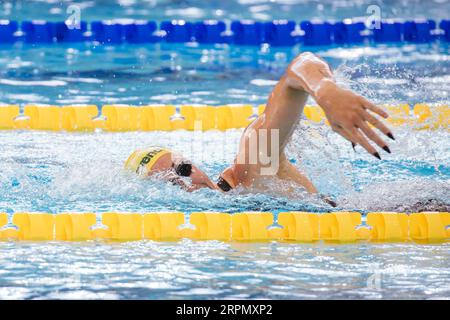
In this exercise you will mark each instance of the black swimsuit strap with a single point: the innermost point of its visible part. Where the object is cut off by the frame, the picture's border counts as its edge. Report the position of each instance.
(223, 184)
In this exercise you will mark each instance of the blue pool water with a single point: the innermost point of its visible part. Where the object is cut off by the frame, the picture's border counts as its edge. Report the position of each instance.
(230, 9)
(183, 74)
(56, 172)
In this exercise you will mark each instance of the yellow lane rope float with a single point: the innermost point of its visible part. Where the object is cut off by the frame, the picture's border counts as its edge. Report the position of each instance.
(424, 227)
(187, 117)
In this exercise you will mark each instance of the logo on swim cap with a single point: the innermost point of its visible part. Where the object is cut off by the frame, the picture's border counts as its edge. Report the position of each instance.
(142, 161)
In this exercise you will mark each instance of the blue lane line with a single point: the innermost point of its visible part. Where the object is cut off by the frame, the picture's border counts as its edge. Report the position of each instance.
(240, 32)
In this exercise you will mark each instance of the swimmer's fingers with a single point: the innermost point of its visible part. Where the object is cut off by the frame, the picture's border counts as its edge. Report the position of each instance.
(357, 137)
(344, 134)
(369, 105)
(176, 180)
(373, 136)
(329, 201)
(378, 124)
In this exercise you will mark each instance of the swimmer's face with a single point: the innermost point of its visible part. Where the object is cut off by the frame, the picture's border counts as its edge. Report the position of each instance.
(174, 166)
(172, 162)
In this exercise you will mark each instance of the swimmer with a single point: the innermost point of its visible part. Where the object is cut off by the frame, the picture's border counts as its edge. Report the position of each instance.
(348, 114)
(170, 166)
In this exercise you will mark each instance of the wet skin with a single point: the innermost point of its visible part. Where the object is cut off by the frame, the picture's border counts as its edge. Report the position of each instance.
(348, 114)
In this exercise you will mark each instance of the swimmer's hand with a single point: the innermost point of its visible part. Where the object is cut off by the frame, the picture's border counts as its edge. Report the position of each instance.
(177, 181)
(199, 178)
(329, 201)
(348, 113)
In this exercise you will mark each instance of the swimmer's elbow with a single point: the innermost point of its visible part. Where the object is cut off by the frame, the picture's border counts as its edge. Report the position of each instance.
(306, 71)
(307, 60)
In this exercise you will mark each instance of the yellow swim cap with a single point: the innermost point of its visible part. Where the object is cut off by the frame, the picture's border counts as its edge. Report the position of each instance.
(142, 161)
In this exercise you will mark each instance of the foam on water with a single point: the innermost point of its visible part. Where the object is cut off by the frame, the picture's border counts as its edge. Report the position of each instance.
(43, 171)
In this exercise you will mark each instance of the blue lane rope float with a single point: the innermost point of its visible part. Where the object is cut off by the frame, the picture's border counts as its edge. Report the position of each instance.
(240, 32)
(187, 117)
(423, 227)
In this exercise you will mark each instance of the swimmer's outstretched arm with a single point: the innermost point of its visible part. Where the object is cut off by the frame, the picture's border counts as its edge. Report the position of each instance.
(349, 114)
(200, 179)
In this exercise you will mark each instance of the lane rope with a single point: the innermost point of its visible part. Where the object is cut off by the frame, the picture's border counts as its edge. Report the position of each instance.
(285, 33)
(424, 227)
(188, 117)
